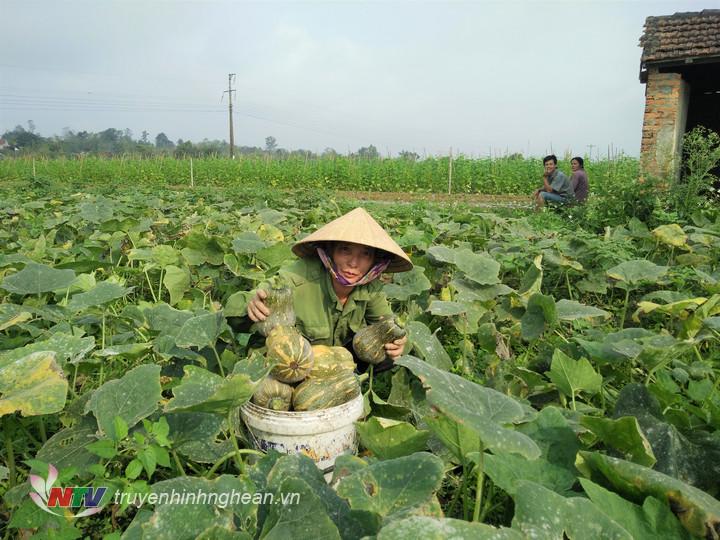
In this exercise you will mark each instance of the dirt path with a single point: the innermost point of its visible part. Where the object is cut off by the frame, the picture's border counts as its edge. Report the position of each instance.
(465, 198)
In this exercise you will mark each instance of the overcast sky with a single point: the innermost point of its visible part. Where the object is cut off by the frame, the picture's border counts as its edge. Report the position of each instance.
(480, 77)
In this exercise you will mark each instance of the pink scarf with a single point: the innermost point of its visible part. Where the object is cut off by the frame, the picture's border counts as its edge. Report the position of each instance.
(377, 269)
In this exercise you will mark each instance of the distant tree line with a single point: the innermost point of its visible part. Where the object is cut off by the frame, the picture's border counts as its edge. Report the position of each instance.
(23, 141)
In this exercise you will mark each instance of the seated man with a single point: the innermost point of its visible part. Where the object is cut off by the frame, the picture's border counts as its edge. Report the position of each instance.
(556, 186)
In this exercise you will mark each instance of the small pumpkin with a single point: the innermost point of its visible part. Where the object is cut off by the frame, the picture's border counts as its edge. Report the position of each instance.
(292, 352)
(272, 394)
(329, 360)
(369, 342)
(280, 303)
(325, 392)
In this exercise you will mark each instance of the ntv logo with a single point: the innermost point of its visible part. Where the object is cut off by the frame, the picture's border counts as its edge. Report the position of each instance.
(48, 497)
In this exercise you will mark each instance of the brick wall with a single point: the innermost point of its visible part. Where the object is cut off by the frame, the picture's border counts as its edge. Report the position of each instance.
(666, 104)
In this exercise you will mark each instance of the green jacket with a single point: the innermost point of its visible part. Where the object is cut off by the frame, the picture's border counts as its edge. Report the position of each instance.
(320, 316)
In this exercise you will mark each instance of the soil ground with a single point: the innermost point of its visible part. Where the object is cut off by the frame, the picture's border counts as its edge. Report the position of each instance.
(463, 198)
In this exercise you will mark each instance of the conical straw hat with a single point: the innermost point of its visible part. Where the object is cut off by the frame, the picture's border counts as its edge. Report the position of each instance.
(359, 227)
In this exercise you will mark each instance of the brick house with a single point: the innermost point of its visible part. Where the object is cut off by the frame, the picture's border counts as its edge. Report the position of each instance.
(680, 67)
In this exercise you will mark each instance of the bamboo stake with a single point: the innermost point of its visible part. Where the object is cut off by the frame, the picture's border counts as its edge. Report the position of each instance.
(192, 176)
(450, 172)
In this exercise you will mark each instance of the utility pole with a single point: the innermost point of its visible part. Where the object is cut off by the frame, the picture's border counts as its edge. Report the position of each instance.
(230, 118)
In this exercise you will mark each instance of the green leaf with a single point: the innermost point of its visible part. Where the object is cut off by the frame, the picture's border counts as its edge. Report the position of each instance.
(248, 242)
(176, 280)
(530, 284)
(651, 520)
(442, 254)
(273, 256)
(573, 376)
(195, 435)
(65, 346)
(672, 235)
(428, 528)
(388, 439)
(427, 346)
(553, 434)
(542, 513)
(394, 485)
(458, 438)
(482, 409)
(407, 284)
(104, 448)
(186, 521)
(33, 385)
(305, 520)
(120, 428)
(132, 397)
(446, 309)
(202, 391)
(697, 510)
(102, 293)
(200, 331)
(164, 255)
(539, 316)
(508, 470)
(570, 310)
(693, 458)
(38, 278)
(236, 304)
(624, 435)
(636, 271)
(481, 269)
(68, 448)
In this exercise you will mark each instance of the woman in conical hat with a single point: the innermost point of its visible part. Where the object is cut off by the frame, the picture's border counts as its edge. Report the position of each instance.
(335, 286)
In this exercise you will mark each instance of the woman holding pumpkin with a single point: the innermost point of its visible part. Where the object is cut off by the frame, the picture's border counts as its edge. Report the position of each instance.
(334, 282)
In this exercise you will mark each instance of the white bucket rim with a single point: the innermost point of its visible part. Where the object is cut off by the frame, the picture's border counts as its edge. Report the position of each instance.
(302, 422)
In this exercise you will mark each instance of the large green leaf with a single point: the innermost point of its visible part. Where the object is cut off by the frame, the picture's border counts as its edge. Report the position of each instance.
(132, 397)
(388, 439)
(428, 528)
(483, 409)
(557, 440)
(65, 346)
(68, 447)
(693, 458)
(195, 435)
(697, 511)
(459, 439)
(407, 284)
(446, 309)
(573, 376)
(623, 434)
(248, 242)
(200, 331)
(651, 520)
(306, 520)
(102, 293)
(508, 470)
(33, 384)
(539, 316)
(38, 278)
(203, 391)
(570, 310)
(479, 268)
(350, 523)
(542, 513)
(176, 280)
(174, 521)
(393, 486)
(530, 284)
(636, 271)
(427, 346)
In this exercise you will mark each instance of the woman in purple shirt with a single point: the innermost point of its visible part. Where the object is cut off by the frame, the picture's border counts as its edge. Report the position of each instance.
(579, 180)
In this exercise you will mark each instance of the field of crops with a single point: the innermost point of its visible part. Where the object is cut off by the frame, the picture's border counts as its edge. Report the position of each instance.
(505, 175)
(560, 383)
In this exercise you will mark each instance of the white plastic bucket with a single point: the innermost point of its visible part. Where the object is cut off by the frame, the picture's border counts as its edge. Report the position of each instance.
(321, 435)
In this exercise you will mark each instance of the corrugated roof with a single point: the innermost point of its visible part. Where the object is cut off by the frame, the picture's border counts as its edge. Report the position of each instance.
(681, 36)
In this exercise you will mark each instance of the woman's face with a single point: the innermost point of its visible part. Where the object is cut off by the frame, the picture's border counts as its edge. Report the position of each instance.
(575, 165)
(352, 260)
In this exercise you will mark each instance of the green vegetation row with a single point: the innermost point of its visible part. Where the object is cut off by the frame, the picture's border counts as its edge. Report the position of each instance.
(504, 175)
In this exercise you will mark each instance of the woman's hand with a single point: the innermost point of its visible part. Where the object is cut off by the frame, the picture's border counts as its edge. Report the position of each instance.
(394, 349)
(257, 310)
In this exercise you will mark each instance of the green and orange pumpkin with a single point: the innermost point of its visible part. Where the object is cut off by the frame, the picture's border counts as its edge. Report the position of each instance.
(292, 353)
(272, 394)
(324, 392)
(369, 342)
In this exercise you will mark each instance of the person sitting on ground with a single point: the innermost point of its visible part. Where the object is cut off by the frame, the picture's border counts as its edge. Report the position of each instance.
(556, 186)
(579, 180)
(335, 287)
